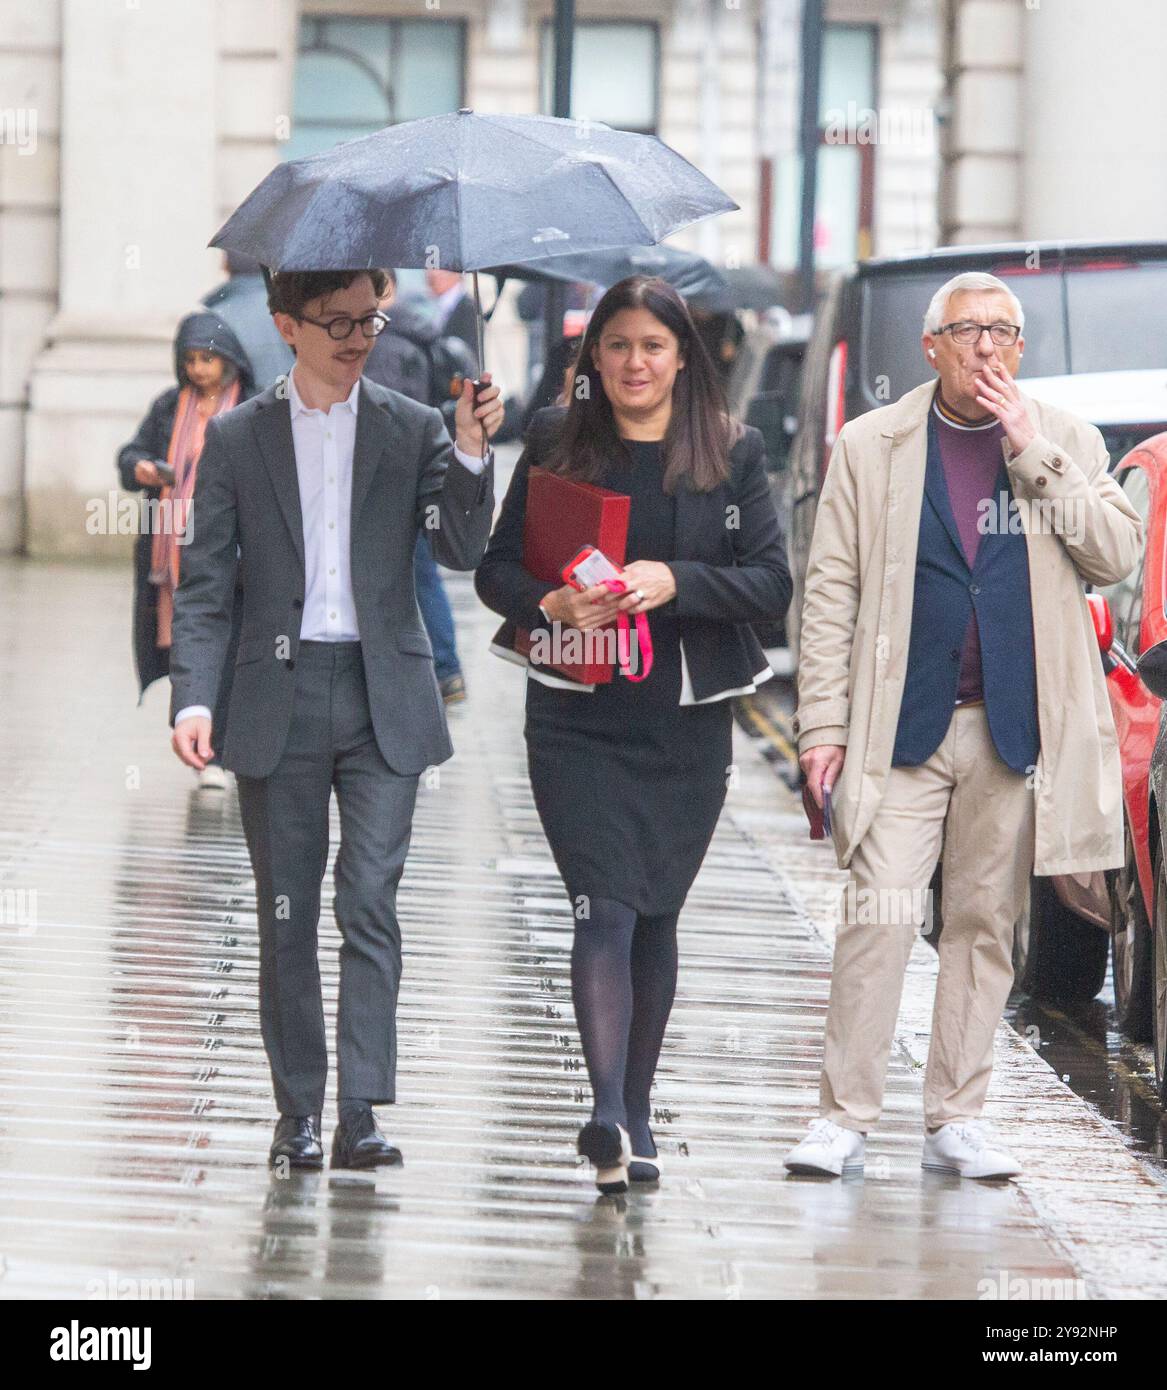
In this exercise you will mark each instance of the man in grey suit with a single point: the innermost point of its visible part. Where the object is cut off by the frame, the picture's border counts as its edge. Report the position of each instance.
(320, 486)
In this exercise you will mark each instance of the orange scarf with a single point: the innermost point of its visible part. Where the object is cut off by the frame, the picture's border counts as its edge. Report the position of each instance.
(183, 454)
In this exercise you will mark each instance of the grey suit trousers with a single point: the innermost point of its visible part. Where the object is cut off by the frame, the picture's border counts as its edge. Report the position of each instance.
(285, 819)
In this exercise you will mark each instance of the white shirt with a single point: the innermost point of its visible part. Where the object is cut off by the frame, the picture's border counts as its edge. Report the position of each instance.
(323, 442)
(687, 696)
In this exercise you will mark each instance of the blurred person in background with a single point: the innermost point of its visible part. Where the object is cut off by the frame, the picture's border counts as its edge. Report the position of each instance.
(241, 302)
(453, 308)
(162, 461)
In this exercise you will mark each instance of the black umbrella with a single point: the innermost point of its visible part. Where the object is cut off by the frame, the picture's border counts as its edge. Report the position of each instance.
(464, 191)
(692, 276)
(756, 287)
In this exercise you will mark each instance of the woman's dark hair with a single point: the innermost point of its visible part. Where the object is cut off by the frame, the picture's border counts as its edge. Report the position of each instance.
(700, 432)
(230, 369)
(291, 290)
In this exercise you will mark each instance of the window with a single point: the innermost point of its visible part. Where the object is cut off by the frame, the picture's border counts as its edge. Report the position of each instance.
(1115, 316)
(845, 183)
(355, 76)
(614, 74)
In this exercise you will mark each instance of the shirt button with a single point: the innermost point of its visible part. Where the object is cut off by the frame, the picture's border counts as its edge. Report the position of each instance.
(1040, 481)
(974, 588)
(333, 570)
(297, 603)
(955, 653)
(332, 615)
(332, 525)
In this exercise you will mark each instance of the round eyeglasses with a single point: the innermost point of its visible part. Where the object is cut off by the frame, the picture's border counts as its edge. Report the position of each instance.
(966, 333)
(342, 326)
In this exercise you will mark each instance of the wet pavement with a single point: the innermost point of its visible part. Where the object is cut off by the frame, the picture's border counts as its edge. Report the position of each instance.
(135, 1106)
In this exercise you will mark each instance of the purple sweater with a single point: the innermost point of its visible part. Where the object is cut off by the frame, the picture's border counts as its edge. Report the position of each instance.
(971, 458)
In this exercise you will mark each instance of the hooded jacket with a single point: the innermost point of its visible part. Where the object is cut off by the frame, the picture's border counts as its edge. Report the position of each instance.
(201, 331)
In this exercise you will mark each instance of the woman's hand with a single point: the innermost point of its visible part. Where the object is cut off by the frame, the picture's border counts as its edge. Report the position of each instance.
(586, 608)
(653, 579)
(146, 473)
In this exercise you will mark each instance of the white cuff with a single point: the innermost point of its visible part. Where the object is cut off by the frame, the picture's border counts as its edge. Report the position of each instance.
(191, 712)
(473, 462)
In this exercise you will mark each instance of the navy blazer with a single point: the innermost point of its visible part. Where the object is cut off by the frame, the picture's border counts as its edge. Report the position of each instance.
(728, 576)
(947, 593)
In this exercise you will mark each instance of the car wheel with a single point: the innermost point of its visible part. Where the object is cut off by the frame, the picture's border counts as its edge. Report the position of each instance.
(1063, 959)
(1130, 940)
(1159, 999)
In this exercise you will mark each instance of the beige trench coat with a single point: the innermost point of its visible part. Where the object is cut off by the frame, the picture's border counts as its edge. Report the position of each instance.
(857, 612)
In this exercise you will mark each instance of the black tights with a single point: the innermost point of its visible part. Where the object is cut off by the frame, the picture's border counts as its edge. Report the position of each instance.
(623, 979)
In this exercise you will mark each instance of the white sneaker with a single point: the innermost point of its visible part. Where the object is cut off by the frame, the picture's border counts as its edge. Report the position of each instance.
(963, 1147)
(212, 778)
(828, 1149)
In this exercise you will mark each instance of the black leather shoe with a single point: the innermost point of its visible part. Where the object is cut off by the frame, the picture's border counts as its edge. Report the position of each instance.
(360, 1144)
(297, 1142)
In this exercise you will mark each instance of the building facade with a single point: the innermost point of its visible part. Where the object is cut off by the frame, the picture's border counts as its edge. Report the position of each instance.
(130, 129)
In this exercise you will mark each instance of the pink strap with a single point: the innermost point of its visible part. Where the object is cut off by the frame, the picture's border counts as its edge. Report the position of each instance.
(643, 636)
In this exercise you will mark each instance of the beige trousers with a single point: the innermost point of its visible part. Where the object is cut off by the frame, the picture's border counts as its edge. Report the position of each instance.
(982, 812)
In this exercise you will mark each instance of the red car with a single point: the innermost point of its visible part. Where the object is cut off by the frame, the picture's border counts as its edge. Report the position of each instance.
(1073, 921)
(1130, 618)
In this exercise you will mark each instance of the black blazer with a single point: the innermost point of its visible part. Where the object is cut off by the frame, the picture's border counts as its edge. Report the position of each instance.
(730, 564)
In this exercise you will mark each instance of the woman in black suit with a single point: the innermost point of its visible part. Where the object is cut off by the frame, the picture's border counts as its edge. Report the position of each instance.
(629, 779)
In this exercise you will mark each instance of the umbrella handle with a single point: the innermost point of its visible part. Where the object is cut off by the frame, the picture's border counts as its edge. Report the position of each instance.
(478, 383)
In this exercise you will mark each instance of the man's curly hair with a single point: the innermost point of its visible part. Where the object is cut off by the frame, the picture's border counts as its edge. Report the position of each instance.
(290, 290)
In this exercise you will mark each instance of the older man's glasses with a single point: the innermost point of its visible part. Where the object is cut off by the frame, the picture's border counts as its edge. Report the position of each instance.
(966, 333)
(342, 326)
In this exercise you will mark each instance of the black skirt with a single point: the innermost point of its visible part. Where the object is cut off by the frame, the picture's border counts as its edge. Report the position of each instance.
(628, 782)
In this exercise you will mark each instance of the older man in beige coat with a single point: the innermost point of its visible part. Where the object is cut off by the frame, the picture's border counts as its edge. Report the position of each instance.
(951, 701)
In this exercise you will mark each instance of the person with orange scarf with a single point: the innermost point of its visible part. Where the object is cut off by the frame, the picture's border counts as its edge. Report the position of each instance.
(162, 460)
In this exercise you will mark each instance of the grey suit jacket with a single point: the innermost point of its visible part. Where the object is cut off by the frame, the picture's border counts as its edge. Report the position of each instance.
(247, 495)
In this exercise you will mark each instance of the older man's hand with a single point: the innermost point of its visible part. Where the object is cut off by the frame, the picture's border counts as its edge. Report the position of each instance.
(998, 393)
(822, 766)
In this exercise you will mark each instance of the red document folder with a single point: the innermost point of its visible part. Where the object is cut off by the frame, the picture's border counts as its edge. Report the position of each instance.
(562, 517)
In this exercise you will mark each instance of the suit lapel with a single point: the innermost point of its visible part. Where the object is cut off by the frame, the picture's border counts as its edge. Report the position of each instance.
(273, 429)
(996, 535)
(373, 428)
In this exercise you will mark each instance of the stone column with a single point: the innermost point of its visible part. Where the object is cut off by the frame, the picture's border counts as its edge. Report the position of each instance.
(138, 149)
(30, 82)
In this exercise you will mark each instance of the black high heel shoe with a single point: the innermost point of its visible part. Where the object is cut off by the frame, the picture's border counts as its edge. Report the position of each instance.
(644, 1170)
(609, 1150)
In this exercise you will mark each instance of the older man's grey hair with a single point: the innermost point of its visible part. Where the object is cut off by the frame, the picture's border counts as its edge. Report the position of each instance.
(934, 319)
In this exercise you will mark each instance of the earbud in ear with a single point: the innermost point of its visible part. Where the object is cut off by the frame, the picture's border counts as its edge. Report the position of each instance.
(931, 352)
